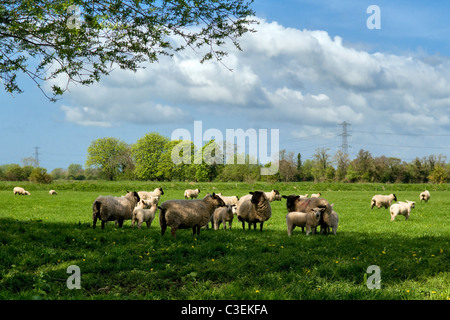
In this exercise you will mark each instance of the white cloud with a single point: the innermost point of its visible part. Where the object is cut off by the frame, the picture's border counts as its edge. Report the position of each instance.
(285, 75)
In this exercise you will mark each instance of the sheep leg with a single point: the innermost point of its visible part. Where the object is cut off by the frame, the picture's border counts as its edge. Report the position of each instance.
(103, 224)
(173, 230)
(243, 225)
(260, 226)
(308, 230)
(149, 223)
(120, 222)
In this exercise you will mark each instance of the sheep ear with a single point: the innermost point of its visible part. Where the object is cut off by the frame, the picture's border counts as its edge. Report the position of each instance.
(251, 192)
(283, 196)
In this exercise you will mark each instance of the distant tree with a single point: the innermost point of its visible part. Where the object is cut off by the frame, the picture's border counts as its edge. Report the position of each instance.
(75, 172)
(58, 174)
(287, 169)
(147, 153)
(342, 162)
(321, 164)
(40, 175)
(109, 155)
(438, 175)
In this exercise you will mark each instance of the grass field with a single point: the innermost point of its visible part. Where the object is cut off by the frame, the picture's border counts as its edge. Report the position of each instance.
(42, 235)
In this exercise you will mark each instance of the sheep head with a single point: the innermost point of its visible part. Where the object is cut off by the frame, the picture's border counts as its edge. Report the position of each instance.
(256, 196)
(290, 201)
(218, 200)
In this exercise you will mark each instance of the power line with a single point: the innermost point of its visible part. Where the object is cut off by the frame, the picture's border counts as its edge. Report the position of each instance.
(403, 134)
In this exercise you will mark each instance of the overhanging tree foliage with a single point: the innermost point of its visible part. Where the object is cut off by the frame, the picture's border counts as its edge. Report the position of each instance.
(85, 39)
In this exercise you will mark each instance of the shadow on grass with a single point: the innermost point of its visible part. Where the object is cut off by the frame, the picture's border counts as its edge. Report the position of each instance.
(237, 264)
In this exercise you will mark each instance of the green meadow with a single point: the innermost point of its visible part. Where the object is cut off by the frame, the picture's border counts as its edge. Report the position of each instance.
(42, 235)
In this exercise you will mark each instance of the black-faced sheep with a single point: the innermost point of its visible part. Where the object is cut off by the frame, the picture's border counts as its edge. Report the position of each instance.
(229, 199)
(191, 194)
(382, 201)
(273, 195)
(147, 195)
(20, 191)
(254, 208)
(185, 214)
(425, 195)
(402, 208)
(295, 203)
(309, 219)
(108, 208)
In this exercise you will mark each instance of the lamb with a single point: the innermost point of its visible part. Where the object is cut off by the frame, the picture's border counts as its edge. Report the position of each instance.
(334, 220)
(254, 208)
(184, 214)
(52, 192)
(229, 199)
(108, 208)
(309, 219)
(189, 193)
(146, 195)
(382, 201)
(316, 195)
(142, 214)
(20, 191)
(151, 201)
(295, 203)
(224, 214)
(402, 208)
(303, 196)
(273, 195)
(425, 196)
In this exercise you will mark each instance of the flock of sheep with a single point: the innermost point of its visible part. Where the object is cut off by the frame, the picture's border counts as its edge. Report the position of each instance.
(253, 208)
(193, 213)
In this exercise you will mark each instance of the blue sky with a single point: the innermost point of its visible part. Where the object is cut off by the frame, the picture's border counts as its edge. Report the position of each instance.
(311, 65)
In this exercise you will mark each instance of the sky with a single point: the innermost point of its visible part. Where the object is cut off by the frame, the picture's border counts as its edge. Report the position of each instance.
(311, 65)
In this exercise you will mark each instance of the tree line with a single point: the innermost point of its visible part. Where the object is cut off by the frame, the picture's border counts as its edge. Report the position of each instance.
(150, 158)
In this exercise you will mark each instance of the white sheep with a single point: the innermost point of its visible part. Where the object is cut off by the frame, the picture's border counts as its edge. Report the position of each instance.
(224, 214)
(254, 208)
(382, 201)
(303, 196)
(309, 219)
(142, 214)
(150, 202)
(52, 192)
(402, 208)
(295, 203)
(425, 195)
(20, 191)
(192, 194)
(316, 195)
(108, 208)
(184, 214)
(229, 199)
(273, 195)
(146, 195)
(334, 220)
